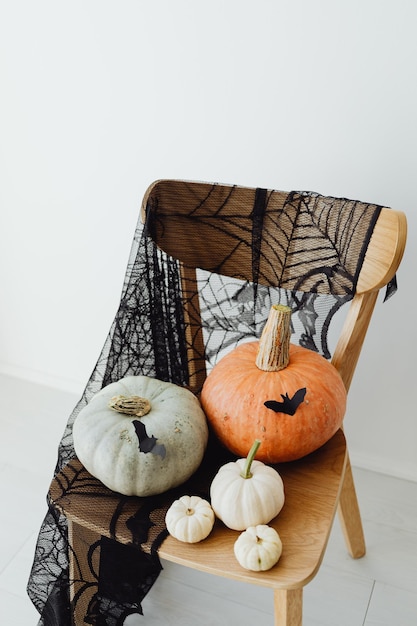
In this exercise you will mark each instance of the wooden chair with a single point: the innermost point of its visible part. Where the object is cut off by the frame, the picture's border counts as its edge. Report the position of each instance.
(317, 485)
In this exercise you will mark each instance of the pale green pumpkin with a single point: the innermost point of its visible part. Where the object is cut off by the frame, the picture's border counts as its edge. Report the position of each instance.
(142, 454)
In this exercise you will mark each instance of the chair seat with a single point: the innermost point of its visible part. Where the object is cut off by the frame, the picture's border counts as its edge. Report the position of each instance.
(311, 485)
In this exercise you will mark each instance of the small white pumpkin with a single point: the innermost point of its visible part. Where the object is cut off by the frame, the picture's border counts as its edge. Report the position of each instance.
(141, 436)
(258, 548)
(190, 519)
(247, 492)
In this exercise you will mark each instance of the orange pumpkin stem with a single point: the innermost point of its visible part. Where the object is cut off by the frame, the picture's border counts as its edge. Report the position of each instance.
(274, 344)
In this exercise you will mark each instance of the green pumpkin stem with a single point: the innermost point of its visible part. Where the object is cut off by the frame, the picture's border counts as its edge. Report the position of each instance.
(246, 473)
(274, 344)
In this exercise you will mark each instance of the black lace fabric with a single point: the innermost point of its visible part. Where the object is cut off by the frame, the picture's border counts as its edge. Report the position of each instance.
(148, 336)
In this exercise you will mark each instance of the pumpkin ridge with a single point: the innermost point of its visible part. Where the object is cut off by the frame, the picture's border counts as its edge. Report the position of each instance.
(107, 443)
(234, 393)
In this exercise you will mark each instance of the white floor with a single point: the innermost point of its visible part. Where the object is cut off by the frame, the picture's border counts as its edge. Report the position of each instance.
(378, 590)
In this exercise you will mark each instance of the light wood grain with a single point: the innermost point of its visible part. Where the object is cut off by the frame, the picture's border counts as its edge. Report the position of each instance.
(385, 251)
(353, 334)
(350, 517)
(312, 488)
(178, 198)
(288, 607)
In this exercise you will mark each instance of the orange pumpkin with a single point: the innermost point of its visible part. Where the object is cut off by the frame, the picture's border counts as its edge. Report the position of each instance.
(294, 404)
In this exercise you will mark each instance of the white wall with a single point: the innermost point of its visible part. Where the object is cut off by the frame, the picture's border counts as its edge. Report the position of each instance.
(99, 98)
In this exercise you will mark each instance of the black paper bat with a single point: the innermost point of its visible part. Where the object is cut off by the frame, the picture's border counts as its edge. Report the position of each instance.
(288, 405)
(146, 443)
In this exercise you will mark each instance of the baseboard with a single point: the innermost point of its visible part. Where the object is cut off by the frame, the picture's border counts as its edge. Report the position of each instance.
(379, 466)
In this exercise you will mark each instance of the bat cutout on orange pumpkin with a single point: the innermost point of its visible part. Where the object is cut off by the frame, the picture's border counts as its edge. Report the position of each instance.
(287, 405)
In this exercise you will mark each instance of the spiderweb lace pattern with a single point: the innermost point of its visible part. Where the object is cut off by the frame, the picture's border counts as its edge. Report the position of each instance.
(301, 248)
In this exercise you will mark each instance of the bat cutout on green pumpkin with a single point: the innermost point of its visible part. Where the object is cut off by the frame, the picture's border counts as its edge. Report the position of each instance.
(146, 443)
(287, 405)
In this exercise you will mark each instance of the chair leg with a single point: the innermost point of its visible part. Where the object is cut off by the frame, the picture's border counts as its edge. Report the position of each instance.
(288, 607)
(84, 559)
(350, 517)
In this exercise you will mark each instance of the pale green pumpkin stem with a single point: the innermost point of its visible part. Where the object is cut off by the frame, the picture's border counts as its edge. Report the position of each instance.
(130, 405)
(274, 344)
(246, 473)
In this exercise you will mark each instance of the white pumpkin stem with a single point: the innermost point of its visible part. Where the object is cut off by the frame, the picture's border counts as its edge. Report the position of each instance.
(246, 473)
(274, 344)
(130, 405)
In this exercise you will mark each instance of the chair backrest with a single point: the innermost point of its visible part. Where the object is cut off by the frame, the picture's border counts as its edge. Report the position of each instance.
(295, 241)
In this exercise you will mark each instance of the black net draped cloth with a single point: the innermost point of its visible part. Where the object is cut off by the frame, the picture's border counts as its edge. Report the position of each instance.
(148, 337)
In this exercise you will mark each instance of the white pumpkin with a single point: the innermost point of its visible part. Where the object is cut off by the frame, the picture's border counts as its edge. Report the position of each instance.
(247, 492)
(152, 439)
(190, 519)
(258, 548)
